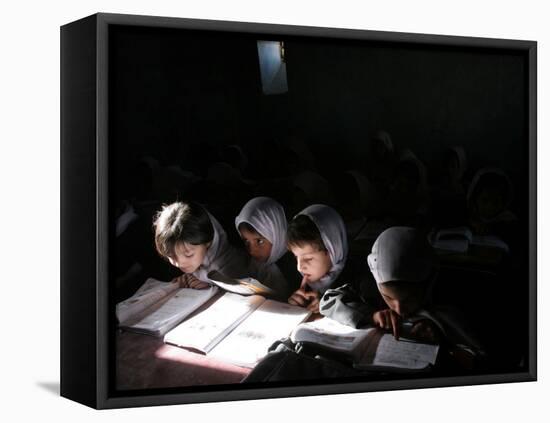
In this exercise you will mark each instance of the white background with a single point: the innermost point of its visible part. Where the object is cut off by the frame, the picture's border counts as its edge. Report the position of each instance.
(29, 139)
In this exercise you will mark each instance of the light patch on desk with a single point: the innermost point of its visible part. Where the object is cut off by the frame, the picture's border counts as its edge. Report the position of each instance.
(180, 355)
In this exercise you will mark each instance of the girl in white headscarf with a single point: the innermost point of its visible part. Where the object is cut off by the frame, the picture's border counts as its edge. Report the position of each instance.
(262, 226)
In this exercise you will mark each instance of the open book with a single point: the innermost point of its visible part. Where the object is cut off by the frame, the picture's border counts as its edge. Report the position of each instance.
(461, 239)
(238, 329)
(157, 306)
(243, 286)
(367, 348)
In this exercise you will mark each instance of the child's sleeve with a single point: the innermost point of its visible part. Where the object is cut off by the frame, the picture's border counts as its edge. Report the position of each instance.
(355, 297)
(347, 306)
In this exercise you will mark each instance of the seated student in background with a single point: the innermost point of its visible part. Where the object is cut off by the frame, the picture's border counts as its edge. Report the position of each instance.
(262, 227)
(403, 266)
(192, 240)
(489, 198)
(317, 238)
(408, 198)
(448, 193)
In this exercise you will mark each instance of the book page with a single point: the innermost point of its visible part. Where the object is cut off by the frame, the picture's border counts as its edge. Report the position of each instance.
(168, 313)
(329, 334)
(203, 331)
(490, 241)
(243, 286)
(151, 292)
(404, 353)
(248, 343)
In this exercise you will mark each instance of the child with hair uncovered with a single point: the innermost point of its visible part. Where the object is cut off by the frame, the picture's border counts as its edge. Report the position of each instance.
(262, 227)
(317, 238)
(192, 240)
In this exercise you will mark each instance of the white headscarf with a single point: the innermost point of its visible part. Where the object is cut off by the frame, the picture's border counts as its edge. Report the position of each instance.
(268, 218)
(220, 255)
(333, 233)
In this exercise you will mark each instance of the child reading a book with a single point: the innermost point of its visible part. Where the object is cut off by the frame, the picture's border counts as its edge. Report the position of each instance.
(402, 263)
(192, 240)
(399, 297)
(262, 227)
(317, 238)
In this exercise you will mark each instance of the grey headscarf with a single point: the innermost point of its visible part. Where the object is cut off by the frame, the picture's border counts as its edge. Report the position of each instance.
(333, 233)
(268, 218)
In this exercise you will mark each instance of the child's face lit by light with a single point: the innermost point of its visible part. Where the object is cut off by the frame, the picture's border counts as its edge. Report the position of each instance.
(405, 300)
(311, 262)
(188, 257)
(257, 246)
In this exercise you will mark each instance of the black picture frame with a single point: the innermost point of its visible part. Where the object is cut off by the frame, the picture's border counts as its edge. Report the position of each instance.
(86, 307)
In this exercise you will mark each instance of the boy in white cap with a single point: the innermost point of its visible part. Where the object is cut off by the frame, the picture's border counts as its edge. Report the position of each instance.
(402, 263)
(397, 285)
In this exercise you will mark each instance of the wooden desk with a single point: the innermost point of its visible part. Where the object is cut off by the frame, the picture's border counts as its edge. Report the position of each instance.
(144, 362)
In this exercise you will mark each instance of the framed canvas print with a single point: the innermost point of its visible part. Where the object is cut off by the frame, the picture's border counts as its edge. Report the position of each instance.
(258, 211)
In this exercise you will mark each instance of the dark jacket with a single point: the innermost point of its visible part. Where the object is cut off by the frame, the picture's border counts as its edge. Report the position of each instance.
(353, 297)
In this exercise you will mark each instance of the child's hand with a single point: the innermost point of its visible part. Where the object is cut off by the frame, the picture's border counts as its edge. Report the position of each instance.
(303, 297)
(299, 298)
(195, 283)
(388, 319)
(425, 331)
(181, 280)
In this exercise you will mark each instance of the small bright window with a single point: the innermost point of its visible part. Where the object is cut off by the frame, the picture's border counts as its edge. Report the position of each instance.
(272, 67)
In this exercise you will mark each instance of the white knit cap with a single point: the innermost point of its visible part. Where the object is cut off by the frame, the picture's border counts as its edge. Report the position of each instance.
(401, 254)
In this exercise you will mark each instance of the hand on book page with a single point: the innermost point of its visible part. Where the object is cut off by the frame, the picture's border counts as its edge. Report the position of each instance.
(188, 280)
(389, 320)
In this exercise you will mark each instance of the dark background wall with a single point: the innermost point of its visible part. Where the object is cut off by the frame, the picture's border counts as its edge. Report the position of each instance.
(181, 95)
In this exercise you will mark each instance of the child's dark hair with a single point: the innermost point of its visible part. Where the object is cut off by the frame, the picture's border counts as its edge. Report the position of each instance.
(181, 222)
(248, 227)
(494, 183)
(302, 230)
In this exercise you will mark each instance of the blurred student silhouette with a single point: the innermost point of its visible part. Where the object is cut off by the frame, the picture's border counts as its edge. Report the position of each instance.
(408, 198)
(380, 160)
(489, 198)
(448, 192)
